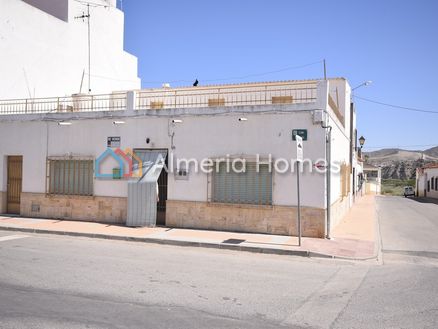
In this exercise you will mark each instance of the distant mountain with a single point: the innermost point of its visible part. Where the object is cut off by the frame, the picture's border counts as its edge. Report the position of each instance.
(401, 164)
(433, 152)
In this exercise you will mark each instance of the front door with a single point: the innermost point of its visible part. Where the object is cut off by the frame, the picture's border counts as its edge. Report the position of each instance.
(15, 174)
(162, 197)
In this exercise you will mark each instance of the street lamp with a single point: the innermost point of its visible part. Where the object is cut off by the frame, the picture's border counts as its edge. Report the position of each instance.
(361, 141)
(365, 83)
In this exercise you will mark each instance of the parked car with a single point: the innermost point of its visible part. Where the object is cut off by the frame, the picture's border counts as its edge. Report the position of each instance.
(409, 191)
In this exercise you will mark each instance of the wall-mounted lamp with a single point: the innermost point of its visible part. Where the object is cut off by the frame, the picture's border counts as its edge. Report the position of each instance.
(176, 121)
(64, 123)
(243, 119)
(118, 122)
(361, 141)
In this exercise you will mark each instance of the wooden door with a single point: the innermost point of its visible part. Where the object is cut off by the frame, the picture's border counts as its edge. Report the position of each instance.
(15, 174)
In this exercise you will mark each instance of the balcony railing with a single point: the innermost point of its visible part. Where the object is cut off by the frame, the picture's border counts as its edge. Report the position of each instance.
(75, 103)
(170, 98)
(233, 95)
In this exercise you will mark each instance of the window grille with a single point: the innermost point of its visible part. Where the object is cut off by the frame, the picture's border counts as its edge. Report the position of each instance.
(70, 177)
(249, 187)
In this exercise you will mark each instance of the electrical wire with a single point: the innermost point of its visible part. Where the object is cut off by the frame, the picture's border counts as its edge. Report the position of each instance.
(396, 106)
(91, 4)
(289, 68)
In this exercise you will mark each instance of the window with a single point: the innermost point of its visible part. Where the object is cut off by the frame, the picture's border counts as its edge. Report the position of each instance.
(432, 185)
(249, 187)
(436, 183)
(345, 179)
(70, 177)
(428, 186)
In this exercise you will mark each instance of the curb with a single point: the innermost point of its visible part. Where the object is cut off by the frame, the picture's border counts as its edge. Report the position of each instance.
(223, 246)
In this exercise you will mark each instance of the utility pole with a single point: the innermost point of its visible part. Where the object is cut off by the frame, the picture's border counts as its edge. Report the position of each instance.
(87, 16)
(325, 70)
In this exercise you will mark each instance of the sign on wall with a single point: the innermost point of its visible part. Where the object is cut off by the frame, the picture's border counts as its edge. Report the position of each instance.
(300, 132)
(113, 141)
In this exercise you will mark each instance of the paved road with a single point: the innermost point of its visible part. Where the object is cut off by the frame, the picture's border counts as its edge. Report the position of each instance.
(67, 282)
(409, 229)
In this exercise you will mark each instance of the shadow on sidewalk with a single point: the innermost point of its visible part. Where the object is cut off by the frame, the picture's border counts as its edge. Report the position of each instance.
(425, 200)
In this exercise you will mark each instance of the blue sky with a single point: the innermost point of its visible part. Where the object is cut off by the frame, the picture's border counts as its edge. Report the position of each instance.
(393, 43)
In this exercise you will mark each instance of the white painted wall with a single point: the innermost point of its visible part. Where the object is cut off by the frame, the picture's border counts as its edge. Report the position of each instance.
(196, 137)
(204, 133)
(429, 174)
(43, 56)
(340, 133)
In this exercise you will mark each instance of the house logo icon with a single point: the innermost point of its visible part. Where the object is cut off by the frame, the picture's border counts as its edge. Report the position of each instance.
(125, 167)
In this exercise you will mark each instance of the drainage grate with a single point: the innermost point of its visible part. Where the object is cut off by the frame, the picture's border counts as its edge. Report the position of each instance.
(233, 241)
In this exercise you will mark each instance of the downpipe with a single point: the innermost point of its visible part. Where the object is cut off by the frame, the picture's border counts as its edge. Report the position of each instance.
(328, 146)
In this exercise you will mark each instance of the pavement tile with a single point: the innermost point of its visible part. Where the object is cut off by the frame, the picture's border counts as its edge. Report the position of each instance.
(353, 238)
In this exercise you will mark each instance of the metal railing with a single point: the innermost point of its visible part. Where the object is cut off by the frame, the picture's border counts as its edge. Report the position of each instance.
(74, 103)
(232, 95)
(170, 98)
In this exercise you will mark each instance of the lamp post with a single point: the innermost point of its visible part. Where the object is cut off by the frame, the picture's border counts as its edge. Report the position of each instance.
(365, 83)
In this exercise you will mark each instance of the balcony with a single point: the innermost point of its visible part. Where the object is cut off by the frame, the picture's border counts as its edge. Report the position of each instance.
(248, 94)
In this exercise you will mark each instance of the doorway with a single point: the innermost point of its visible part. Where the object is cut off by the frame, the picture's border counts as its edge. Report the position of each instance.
(145, 154)
(162, 197)
(15, 178)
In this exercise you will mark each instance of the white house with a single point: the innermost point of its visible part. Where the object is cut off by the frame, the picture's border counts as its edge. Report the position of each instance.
(80, 140)
(427, 181)
(373, 179)
(75, 158)
(44, 49)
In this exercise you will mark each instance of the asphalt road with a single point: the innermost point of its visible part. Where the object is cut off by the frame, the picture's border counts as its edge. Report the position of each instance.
(409, 229)
(67, 282)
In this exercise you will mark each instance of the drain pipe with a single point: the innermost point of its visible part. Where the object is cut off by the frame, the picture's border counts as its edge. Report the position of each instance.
(328, 143)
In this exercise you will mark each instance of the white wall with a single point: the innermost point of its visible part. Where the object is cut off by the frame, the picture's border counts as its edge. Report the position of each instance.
(197, 136)
(42, 56)
(340, 151)
(431, 173)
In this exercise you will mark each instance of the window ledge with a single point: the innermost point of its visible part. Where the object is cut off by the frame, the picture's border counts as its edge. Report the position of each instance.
(240, 205)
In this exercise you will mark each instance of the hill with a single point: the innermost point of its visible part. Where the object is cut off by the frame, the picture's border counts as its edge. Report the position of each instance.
(399, 163)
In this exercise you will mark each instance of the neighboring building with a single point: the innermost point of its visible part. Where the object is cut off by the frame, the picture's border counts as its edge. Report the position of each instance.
(44, 49)
(63, 158)
(427, 181)
(373, 179)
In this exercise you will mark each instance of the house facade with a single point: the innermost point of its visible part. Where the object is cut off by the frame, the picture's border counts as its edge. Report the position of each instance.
(55, 163)
(427, 181)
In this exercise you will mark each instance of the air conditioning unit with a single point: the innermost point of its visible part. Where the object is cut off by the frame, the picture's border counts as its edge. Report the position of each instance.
(319, 117)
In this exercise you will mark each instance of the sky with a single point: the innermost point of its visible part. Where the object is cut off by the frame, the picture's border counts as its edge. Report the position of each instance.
(392, 43)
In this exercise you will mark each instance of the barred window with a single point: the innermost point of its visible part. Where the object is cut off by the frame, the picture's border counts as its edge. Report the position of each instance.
(70, 177)
(249, 187)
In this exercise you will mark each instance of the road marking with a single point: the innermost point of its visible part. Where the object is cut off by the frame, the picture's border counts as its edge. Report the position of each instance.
(12, 237)
(323, 307)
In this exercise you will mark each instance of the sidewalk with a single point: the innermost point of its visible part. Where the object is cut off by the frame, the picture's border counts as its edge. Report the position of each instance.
(354, 237)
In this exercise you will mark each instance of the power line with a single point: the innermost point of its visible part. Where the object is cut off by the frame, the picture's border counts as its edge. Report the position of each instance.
(111, 78)
(396, 106)
(245, 76)
(398, 146)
